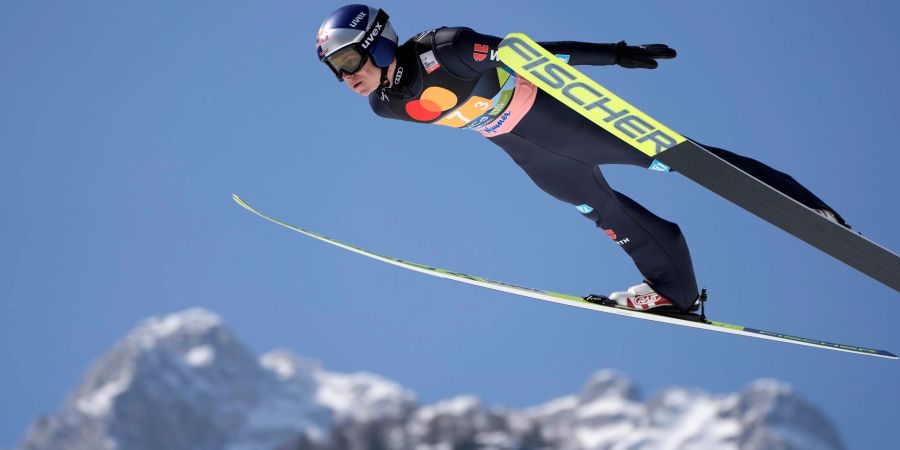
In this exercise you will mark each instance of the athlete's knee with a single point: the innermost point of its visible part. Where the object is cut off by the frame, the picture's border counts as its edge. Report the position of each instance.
(588, 212)
(671, 229)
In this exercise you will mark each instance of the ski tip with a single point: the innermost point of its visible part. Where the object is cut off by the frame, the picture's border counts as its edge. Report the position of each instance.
(237, 199)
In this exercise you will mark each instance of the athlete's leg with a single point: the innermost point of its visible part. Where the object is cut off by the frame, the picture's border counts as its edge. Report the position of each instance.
(657, 246)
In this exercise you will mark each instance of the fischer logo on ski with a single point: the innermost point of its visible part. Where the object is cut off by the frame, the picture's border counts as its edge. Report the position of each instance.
(581, 93)
(670, 150)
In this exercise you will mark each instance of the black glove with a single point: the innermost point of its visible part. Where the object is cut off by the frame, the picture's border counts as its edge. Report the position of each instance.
(642, 56)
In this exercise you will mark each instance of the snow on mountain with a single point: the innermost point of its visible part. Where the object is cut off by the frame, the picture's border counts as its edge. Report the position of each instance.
(607, 410)
(178, 382)
(363, 397)
(185, 382)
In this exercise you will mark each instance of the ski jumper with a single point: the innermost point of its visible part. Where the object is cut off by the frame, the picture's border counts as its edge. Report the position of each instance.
(453, 77)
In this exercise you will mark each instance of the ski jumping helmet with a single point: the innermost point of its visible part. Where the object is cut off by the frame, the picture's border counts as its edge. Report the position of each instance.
(353, 34)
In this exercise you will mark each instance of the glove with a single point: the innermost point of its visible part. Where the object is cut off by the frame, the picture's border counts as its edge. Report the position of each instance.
(642, 56)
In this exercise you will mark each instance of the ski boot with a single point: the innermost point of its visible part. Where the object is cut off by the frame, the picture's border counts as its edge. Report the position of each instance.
(643, 298)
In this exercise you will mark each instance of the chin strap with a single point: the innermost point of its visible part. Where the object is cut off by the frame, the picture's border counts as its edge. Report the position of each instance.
(384, 76)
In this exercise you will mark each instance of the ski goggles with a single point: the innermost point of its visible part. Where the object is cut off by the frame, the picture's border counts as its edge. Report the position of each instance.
(349, 60)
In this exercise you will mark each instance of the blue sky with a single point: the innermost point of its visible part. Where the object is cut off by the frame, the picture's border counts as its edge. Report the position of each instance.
(125, 127)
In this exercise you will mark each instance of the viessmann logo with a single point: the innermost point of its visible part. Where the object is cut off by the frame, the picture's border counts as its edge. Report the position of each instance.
(481, 52)
(610, 109)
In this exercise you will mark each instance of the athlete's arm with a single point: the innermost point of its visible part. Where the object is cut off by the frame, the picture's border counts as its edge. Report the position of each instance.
(467, 53)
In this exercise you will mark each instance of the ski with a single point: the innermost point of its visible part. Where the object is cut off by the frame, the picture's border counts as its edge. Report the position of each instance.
(668, 148)
(576, 301)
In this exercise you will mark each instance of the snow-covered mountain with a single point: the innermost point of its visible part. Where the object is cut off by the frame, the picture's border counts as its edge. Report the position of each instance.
(184, 382)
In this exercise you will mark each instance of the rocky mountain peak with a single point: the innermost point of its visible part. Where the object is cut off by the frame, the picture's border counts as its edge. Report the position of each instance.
(185, 382)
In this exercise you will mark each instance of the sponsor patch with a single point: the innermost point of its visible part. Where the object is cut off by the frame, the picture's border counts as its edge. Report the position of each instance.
(429, 61)
(431, 104)
(505, 97)
(480, 52)
(357, 20)
(659, 167)
(499, 123)
(473, 108)
(321, 38)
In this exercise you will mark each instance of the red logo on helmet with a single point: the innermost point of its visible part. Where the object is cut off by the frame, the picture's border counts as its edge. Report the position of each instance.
(481, 52)
(611, 234)
(321, 39)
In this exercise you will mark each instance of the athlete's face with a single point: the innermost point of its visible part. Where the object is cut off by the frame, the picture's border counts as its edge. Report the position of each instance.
(365, 80)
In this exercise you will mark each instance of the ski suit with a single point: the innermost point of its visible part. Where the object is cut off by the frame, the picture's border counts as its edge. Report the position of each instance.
(453, 77)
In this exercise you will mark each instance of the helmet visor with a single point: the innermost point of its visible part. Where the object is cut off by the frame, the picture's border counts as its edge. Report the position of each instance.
(346, 60)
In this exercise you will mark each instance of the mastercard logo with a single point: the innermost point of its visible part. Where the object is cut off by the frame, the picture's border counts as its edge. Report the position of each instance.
(433, 102)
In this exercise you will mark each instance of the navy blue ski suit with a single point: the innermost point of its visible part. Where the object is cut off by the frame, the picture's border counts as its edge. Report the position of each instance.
(453, 77)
